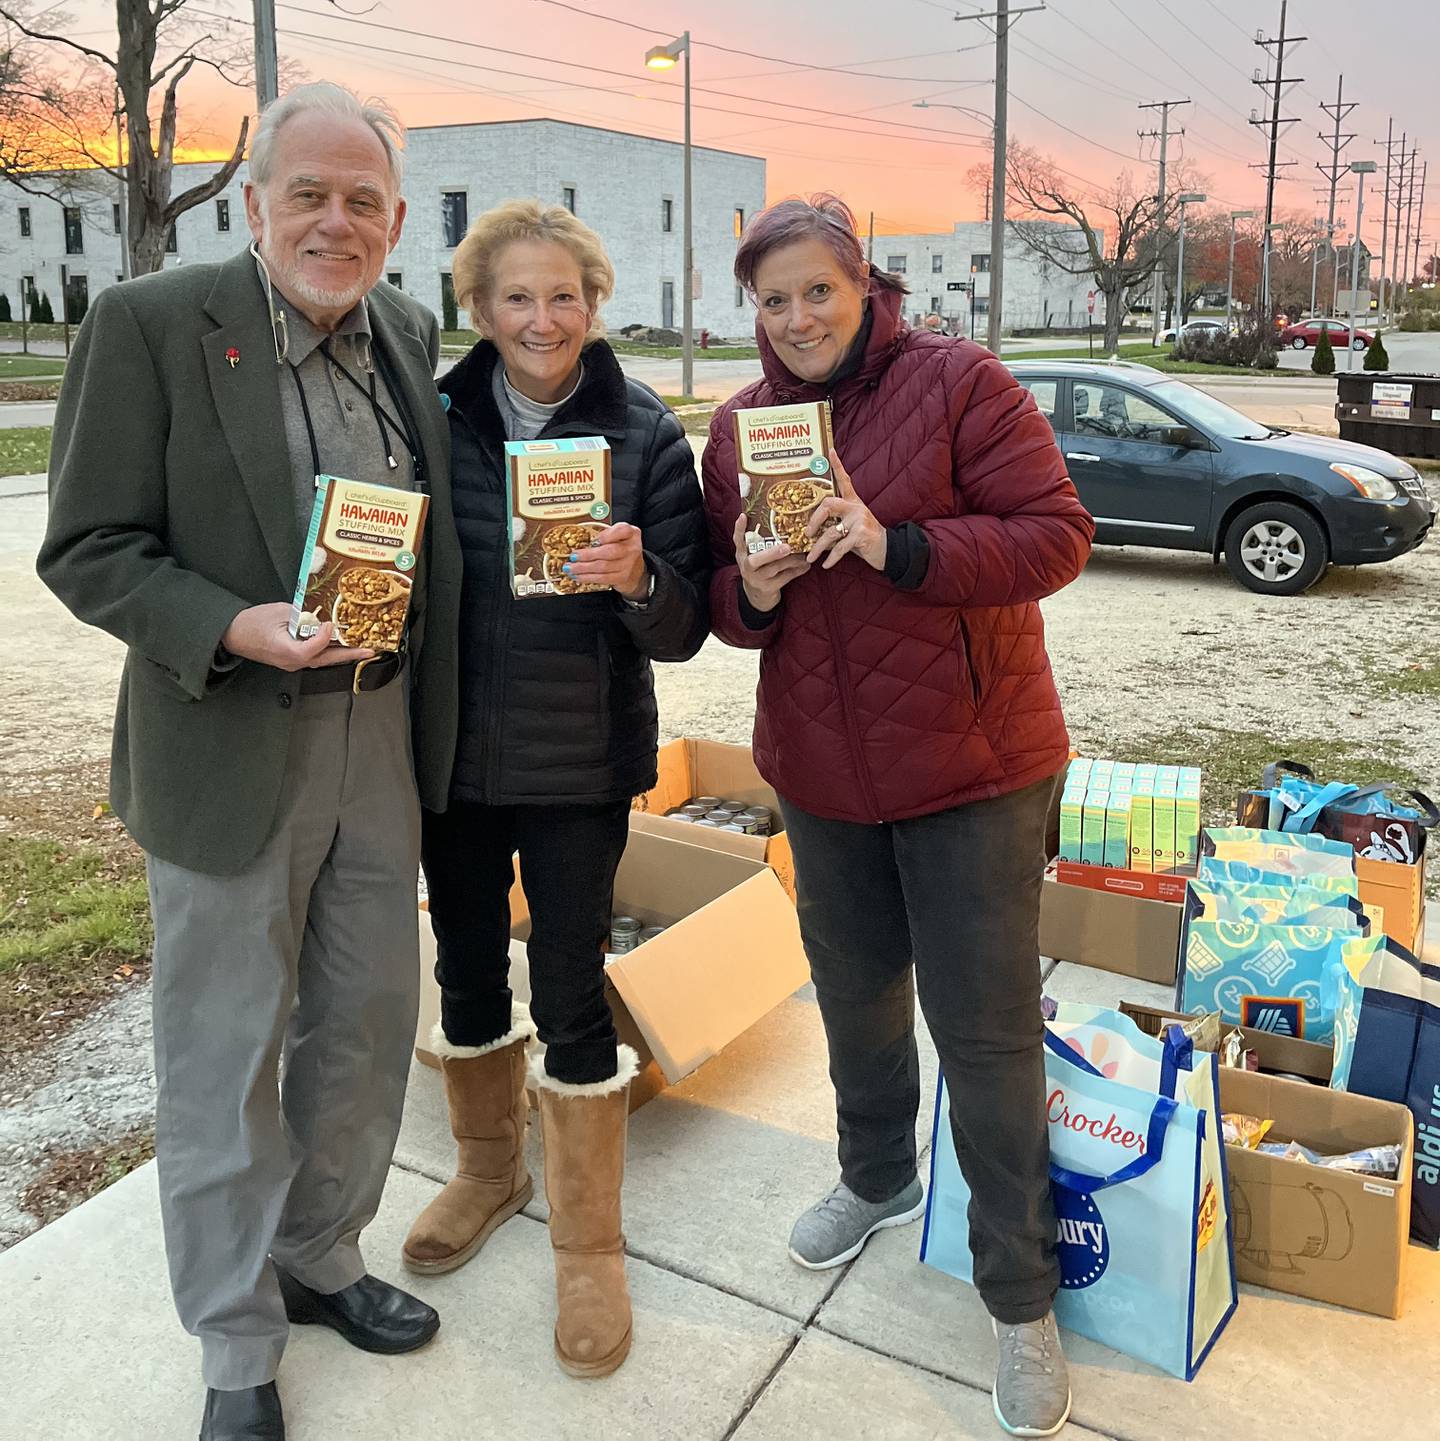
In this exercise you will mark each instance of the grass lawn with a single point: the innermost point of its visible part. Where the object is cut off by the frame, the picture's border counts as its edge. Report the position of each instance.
(26, 367)
(25, 450)
(1147, 354)
(12, 330)
(72, 921)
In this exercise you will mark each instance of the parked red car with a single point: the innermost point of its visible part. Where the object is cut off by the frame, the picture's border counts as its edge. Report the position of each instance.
(1305, 333)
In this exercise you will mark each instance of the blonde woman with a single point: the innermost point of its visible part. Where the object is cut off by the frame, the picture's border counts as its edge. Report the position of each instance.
(558, 732)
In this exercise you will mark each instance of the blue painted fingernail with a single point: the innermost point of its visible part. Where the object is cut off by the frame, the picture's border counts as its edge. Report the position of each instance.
(566, 569)
(574, 555)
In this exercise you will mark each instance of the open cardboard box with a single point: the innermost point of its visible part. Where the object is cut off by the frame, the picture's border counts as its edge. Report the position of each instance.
(1112, 931)
(1276, 1053)
(689, 767)
(1308, 1230)
(1399, 890)
(730, 955)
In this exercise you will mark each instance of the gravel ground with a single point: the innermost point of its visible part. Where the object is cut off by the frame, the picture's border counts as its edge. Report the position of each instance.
(1144, 644)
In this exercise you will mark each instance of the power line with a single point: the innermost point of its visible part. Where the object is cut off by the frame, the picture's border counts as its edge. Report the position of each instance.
(1272, 170)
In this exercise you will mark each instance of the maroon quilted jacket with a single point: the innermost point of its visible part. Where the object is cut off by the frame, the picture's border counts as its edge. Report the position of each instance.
(877, 703)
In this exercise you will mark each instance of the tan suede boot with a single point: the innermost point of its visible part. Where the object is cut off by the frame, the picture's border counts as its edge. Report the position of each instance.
(485, 1089)
(584, 1129)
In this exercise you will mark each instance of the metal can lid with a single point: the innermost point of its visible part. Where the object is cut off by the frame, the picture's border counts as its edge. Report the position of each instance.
(650, 932)
(625, 924)
(706, 821)
(732, 808)
(731, 826)
(709, 802)
(695, 810)
(760, 812)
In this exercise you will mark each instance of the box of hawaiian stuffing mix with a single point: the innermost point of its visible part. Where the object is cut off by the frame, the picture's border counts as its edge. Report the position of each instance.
(559, 501)
(359, 562)
(782, 454)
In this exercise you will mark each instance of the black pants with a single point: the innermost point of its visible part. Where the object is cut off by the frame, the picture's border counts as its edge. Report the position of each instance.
(951, 902)
(568, 859)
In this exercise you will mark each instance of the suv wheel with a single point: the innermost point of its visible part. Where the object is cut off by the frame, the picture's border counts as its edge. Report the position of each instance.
(1276, 549)
(1298, 343)
(1358, 344)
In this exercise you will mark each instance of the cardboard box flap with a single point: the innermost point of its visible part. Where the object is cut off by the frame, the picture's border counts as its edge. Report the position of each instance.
(691, 992)
(1325, 1120)
(689, 768)
(751, 847)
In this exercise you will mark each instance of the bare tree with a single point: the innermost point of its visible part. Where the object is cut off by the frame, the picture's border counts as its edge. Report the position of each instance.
(66, 95)
(1119, 255)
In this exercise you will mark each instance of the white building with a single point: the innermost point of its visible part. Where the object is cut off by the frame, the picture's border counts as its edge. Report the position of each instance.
(628, 187)
(1037, 293)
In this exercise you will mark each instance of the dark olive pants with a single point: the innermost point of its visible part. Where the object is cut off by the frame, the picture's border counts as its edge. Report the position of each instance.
(949, 903)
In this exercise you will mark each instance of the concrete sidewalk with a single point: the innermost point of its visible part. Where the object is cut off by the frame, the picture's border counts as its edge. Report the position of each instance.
(732, 1339)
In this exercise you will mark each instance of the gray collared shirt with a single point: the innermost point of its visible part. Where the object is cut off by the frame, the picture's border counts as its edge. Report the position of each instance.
(347, 434)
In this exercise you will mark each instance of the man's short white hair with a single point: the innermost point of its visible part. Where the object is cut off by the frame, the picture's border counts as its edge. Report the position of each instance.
(327, 98)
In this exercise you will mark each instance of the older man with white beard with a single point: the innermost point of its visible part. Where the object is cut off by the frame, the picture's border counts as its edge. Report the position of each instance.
(272, 782)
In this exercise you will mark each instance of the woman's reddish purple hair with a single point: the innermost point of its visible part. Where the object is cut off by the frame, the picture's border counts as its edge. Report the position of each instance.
(822, 217)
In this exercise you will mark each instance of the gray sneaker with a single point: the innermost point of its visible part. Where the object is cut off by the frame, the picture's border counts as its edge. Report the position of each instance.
(1032, 1383)
(834, 1230)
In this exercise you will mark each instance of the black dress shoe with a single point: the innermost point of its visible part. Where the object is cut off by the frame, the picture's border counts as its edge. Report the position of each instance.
(371, 1314)
(250, 1415)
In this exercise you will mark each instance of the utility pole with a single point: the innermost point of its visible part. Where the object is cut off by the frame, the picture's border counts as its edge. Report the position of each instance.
(997, 206)
(1275, 89)
(1163, 135)
(1407, 273)
(1332, 172)
(123, 188)
(267, 67)
(1399, 203)
(1420, 216)
(1385, 217)
(870, 242)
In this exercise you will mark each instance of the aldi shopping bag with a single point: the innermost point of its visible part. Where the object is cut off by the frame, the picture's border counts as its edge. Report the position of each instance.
(1269, 976)
(1387, 1045)
(1141, 1200)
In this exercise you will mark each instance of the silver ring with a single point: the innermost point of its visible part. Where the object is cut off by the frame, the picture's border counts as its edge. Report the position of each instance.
(841, 529)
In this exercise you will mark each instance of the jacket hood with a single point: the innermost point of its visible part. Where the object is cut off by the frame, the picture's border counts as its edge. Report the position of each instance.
(887, 336)
(597, 407)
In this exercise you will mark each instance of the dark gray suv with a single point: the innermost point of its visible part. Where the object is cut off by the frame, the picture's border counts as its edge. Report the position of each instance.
(1158, 462)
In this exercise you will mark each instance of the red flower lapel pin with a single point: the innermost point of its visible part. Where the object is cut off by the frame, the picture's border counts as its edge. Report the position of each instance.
(233, 356)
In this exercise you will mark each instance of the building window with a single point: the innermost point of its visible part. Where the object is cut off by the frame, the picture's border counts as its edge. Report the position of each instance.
(567, 198)
(895, 264)
(24, 220)
(115, 212)
(934, 305)
(982, 305)
(667, 304)
(222, 214)
(454, 216)
(74, 234)
(739, 221)
(739, 297)
(667, 215)
(937, 265)
(172, 244)
(980, 264)
(393, 277)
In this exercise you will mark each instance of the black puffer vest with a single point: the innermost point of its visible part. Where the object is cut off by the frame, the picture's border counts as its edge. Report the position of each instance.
(557, 700)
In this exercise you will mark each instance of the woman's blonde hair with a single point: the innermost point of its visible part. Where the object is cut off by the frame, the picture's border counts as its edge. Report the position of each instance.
(473, 268)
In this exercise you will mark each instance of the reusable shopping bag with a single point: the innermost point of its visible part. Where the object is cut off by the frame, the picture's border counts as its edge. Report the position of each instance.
(1370, 818)
(1277, 977)
(1387, 1045)
(1140, 1186)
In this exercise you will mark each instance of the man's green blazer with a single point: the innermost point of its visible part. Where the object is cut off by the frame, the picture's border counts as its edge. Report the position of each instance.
(172, 509)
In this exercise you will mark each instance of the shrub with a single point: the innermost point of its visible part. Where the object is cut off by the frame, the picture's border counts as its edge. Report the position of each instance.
(47, 311)
(1375, 357)
(4, 306)
(1267, 358)
(1413, 320)
(449, 317)
(1323, 361)
(1243, 347)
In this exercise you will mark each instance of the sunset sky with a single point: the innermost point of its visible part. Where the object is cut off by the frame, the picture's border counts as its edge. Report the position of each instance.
(824, 89)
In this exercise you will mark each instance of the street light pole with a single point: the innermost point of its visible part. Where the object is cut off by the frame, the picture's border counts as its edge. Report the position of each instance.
(1190, 197)
(1362, 168)
(1230, 274)
(664, 57)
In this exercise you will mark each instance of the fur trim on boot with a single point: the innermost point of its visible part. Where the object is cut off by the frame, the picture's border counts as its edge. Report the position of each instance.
(585, 1128)
(627, 1067)
(485, 1092)
(522, 1028)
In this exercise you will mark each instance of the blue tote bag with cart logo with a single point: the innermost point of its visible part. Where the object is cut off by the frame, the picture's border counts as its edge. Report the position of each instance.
(1138, 1176)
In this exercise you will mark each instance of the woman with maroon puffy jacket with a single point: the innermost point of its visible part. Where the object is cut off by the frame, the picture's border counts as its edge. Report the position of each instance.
(909, 722)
